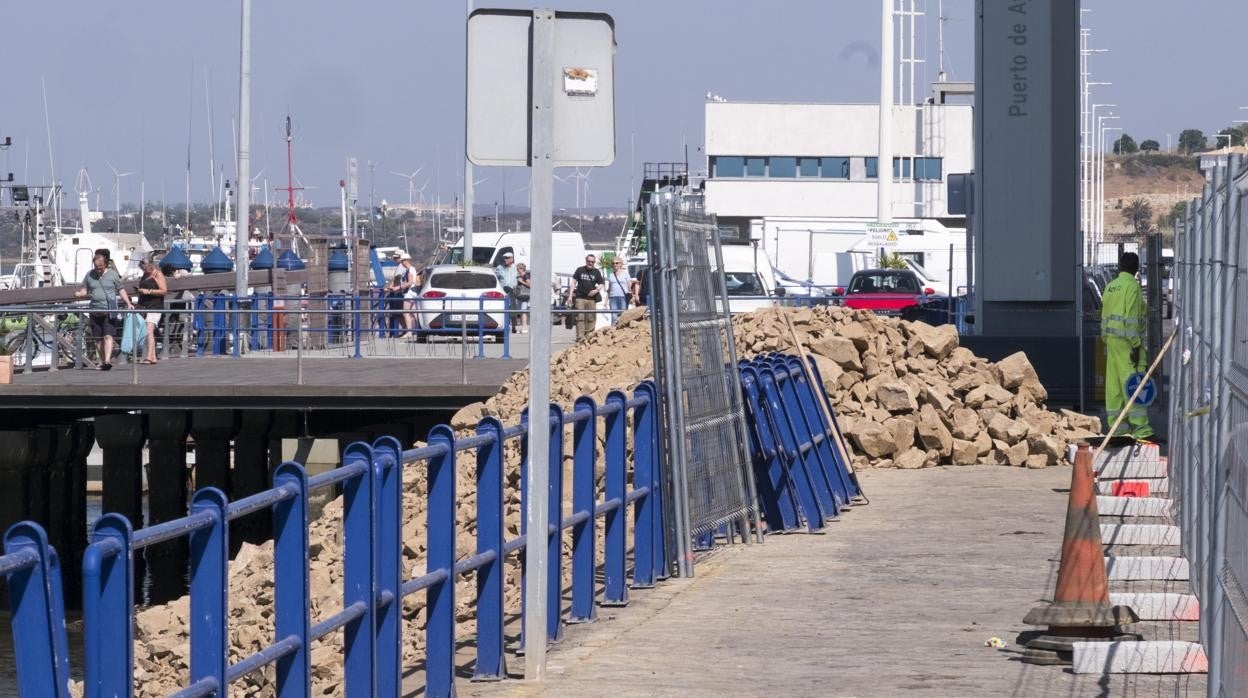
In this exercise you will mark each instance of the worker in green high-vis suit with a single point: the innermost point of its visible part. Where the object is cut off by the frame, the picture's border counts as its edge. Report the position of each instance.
(1123, 321)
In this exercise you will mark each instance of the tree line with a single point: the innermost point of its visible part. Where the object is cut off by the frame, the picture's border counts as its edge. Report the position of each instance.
(1191, 140)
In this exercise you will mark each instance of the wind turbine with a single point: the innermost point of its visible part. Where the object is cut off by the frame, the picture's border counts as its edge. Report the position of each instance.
(411, 183)
(117, 190)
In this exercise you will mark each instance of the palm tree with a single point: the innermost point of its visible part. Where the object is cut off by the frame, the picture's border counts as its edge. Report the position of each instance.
(1139, 215)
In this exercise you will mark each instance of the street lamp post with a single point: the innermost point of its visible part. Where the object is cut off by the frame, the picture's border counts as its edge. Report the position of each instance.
(1100, 213)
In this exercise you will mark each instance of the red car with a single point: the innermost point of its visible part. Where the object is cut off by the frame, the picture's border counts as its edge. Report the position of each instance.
(883, 291)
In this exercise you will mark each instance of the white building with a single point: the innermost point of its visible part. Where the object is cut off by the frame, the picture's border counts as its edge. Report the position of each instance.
(804, 177)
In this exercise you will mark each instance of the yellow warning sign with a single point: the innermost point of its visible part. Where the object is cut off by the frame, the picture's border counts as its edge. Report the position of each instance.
(883, 235)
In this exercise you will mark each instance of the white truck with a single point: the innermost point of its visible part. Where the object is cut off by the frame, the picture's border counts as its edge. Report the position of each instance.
(568, 250)
(748, 276)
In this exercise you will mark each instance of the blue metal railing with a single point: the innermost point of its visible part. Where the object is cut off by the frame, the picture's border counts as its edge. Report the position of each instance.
(799, 462)
(371, 479)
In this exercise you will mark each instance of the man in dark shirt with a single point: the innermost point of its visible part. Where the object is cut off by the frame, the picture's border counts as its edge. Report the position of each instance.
(586, 294)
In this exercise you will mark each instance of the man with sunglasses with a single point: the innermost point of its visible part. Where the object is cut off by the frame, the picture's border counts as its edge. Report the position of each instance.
(585, 294)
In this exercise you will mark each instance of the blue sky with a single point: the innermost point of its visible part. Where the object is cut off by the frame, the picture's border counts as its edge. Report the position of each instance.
(383, 82)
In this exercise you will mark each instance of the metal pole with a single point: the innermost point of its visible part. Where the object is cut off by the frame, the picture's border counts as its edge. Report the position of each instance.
(884, 163)
(134, 357)
(468, 197)
(299, 345)
(243, 227)
(540, 223)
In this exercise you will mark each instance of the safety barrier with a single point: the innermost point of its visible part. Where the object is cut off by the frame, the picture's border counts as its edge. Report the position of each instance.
(798, 449)
(1208, 455)
(370, 478)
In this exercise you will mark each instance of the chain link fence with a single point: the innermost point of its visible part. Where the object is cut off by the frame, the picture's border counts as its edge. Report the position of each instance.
(696, 367)
(1209, 417)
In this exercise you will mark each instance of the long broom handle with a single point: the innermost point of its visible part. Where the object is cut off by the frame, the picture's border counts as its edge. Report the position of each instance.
(1122, 415)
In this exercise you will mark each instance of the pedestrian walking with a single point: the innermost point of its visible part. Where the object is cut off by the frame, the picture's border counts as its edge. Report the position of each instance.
(621, 289)
(102, 285)
(1123, 322)
(507, 275)
(151, 294)
(524, 291)
(585, 294)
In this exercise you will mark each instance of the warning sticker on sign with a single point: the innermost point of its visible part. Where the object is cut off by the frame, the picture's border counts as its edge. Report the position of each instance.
(882, 235)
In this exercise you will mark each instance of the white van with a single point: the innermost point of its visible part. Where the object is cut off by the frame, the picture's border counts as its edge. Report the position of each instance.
(748, 277)
(488, 248)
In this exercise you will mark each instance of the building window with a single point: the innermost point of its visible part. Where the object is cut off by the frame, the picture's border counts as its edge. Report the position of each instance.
(728, 166)
(916, 257)
(873, 168)
(785, 168)
(901, 168)
(928, 169)
(834, 168)
(808, 167)
(756, 167)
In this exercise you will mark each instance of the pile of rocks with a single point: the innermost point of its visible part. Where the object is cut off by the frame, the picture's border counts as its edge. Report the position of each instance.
(906, 395)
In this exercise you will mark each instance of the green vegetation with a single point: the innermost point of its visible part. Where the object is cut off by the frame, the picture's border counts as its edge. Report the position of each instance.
(1125, 145)
(1150, 146)
(1139, 215)
(893, 261)
(1192, 140)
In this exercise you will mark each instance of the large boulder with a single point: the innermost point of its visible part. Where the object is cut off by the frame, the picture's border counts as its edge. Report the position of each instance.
(896, 397)
(965, 452)
(966, 424)
(903, 429)
(1006, 429)
(933, 432)
(873, 439)
(937, 342)
(1015, 370)
(1082, 421)
(840, 350)
(913, 459)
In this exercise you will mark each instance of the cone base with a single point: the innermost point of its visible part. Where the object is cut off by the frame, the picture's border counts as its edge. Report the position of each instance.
(1081, 615)
(1059, 650)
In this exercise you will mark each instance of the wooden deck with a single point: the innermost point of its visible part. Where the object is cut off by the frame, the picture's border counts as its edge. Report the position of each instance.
(266, 383)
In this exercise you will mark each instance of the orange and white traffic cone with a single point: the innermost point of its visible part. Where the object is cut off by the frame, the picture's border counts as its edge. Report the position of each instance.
(1081, 610)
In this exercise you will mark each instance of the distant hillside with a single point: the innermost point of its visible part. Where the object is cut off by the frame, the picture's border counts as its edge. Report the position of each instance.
(1161, 179)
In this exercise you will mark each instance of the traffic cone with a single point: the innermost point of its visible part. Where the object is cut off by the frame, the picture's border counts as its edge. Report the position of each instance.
(1081, 610)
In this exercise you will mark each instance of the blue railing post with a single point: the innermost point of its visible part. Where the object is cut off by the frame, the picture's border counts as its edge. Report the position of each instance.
(358, 326)
(584, 534)
(506, 335)
(644, 533)
(388, 571)
(108, 601)
(491, 660)
(210, 585)
(40, 647)
(291, 594)
(481, 328)
(232, 304)
(661, 566)
(200, 323)
(440, 603)
(357, 587)
(554, 536)
(615, 591)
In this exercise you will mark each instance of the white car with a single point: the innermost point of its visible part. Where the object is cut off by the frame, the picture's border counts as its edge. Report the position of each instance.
(454, 300)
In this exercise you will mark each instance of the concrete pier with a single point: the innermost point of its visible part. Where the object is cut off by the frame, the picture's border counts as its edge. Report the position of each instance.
(167, 484)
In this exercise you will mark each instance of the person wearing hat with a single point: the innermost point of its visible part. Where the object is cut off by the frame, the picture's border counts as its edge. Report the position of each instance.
(506, 273)
(409, 286)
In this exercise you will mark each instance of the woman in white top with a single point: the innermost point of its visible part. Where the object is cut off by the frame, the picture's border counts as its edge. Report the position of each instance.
(621, 286)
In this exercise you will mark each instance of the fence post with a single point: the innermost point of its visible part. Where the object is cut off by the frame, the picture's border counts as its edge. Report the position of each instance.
(615, 591)
(359, 662)
(387, 496)
(440, 597)
(585, 456)
(834, 431)
(359, 326)
(491, 660)
(661, 565)
(644, 475)
(554, 537)
(108, 601)
(506, 335)
(210, 585)
(41, 655)
(290, 581)
(29, 347)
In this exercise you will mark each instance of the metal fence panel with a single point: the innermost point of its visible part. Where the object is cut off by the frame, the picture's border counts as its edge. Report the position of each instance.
(696, 365)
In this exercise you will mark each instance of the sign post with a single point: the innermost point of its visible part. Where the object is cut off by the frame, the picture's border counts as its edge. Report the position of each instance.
(540, 94)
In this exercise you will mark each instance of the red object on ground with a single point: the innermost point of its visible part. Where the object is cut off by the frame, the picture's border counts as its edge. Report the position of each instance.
(1130, 488)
